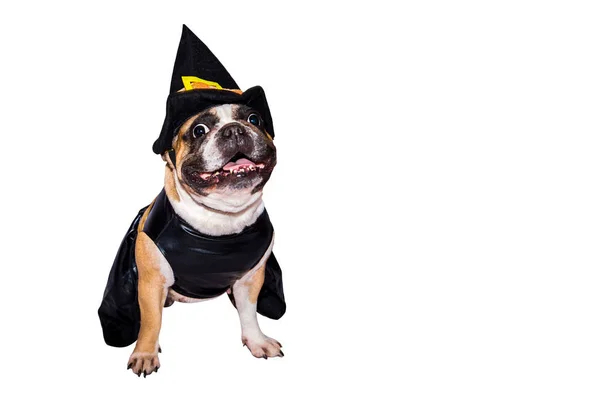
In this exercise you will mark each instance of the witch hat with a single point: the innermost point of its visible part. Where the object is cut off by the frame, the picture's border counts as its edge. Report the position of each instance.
(200, 81)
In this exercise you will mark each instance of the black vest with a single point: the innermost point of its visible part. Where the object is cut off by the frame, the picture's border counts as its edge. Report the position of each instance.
(205, 266)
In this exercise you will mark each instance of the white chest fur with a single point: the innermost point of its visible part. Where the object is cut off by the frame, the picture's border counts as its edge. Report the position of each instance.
(201, 213)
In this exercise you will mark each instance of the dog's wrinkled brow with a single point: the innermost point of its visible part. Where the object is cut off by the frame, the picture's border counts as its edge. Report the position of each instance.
(241, 112)
(207, 118)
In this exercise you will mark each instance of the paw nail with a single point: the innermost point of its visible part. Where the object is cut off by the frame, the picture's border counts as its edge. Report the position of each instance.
(139, 373)
(144, 374)
(281, 353)
(264, 356)
(159, 349)
(156, 369)
(279, 344)
(129, 365)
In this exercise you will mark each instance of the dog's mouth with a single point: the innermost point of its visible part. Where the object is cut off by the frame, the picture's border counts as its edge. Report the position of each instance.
(238, 167)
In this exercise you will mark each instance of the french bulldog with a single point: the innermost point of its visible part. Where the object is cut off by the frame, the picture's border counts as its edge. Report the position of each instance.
(214, 176)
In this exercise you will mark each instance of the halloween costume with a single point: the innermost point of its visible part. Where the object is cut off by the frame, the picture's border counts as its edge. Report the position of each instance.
(204, 266)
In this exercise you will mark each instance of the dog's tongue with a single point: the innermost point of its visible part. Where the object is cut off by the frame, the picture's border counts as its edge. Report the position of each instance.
(242, 162)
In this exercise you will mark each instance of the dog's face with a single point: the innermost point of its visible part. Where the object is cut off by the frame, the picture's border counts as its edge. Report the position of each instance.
(224, 150)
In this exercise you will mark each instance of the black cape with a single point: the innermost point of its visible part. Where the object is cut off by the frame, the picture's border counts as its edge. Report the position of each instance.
(204, 266)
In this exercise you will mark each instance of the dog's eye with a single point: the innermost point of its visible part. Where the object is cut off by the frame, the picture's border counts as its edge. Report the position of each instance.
(254, 119)
(200, 130)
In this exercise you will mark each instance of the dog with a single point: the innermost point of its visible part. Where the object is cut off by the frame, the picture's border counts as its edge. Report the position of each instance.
(207, 233)
(221, 160)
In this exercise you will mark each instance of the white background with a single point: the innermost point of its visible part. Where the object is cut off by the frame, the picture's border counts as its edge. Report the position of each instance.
(436, 200)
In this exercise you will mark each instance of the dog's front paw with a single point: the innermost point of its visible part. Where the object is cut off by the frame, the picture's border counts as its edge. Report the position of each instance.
(262, 346)
(143, 363)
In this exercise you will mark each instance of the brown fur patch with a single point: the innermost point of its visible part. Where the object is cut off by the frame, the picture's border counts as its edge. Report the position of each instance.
(181, 150)
(186, 125)
(151, 293)
(255, 283)
(170, 187)
(180, 146)
(145, 216)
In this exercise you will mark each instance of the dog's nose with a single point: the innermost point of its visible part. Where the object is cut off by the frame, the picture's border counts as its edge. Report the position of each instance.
(232, 130)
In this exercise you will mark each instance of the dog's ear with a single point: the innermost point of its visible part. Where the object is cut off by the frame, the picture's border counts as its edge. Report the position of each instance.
(169, 157)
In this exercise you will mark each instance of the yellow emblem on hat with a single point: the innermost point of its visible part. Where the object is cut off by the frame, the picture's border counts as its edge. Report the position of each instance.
(193, 82)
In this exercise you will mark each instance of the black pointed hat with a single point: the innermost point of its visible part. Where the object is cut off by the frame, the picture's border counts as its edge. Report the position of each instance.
(199, 82)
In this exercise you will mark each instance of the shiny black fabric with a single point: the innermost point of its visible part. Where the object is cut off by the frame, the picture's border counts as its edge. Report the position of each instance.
(271, 302)
(120, 312)
(204, 266)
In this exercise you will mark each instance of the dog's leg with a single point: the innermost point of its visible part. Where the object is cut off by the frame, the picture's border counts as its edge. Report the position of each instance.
(245, 294)
(152, 293)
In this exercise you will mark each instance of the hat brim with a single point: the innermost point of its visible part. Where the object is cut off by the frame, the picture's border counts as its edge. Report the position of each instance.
(183, 105)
